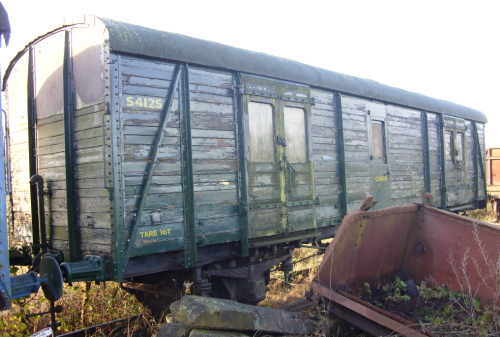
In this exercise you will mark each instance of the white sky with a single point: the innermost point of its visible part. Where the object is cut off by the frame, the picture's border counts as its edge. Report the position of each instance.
(444, 49)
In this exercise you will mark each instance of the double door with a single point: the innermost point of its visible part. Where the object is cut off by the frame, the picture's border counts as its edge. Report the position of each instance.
(280, 171)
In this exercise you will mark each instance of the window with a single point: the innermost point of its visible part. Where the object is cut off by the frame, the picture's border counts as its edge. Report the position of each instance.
(295, 131)
(459, 147)
(454, 143)
(378, 141)
(448, 143)
(260, 124)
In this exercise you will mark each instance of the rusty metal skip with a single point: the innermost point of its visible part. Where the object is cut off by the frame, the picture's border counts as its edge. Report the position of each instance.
(423, 242)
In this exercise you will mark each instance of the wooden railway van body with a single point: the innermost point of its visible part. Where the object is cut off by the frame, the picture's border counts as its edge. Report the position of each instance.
(163, 152)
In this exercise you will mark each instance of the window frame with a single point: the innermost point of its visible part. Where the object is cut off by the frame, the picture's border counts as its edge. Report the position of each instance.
(274, 112)
(371, 122)
(453, 151)
(307, 125)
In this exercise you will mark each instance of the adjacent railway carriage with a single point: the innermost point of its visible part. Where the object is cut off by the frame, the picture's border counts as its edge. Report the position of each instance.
(163, 153)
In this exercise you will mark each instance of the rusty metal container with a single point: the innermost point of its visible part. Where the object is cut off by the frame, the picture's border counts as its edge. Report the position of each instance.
(493, 170)
(422, 242)
(493, 179)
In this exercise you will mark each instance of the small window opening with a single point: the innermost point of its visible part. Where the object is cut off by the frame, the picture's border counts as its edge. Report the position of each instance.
(295, 130)
(448, 139)
(378, 141)
(260, 120)
(459, 147)
(455, 150)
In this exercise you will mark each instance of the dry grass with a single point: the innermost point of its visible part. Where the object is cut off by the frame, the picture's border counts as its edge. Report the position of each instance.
(486, 214)
(86, 305)
(83, 305)
(281, 292)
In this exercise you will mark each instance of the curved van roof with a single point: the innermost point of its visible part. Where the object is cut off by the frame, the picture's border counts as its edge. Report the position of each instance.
(137, 40)
(142, 41)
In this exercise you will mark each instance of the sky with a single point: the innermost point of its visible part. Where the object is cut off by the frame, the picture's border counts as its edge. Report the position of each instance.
(445, 49)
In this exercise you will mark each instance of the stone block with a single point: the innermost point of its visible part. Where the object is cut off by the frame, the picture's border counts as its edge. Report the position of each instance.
(213, 313)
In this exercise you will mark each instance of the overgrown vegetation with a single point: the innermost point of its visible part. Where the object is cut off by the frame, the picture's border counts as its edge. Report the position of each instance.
(437, 310)
(84, 305)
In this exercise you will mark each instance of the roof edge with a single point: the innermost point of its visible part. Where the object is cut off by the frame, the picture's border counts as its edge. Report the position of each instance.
(142, 41)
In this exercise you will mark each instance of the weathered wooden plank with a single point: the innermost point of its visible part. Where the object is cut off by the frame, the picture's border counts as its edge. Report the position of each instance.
(214, 197)
(148, 82)
(210, 77)
(87, 205)
(352, 125)
(215, 142)
(323, 140)
(322, 121)
(148, 140)
(211, 122)
(141, 90)
(264, 222)
(211, 108)
(131, 190)
(213, 226)
(91, 170)
(322, 97)
(88, 133)
(212, 153)
(207, 211)
(147, 130)
(166, 167)
(159, 180)
(165, 215)
(207, 89)
(323, 164)
(320, 131)
(148, 118)
(145, 68)
(210, 166)
(47, 142)
(143, 152)
(156, 201)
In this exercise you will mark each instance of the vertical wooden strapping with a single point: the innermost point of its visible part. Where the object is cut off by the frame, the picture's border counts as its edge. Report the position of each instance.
(341, 155)
(32, 146)
(442, 161)
(114, 171)
(478, 160)
(425, 151)
(69, 111)
(190, 245)
(242, 163)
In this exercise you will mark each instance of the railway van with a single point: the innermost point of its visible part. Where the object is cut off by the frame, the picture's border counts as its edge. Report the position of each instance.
(155, 159)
